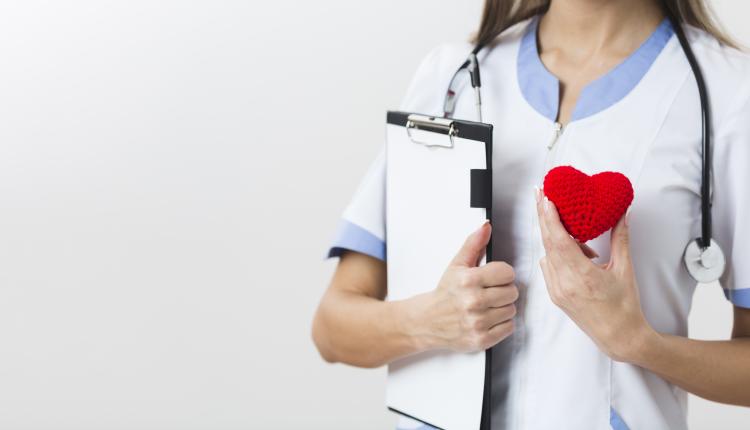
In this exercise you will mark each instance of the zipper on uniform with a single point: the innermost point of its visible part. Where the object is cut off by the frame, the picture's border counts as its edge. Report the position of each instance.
(522, 369)
(557, 131)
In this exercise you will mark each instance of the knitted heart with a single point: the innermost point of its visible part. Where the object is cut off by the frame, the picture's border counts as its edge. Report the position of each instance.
(588, 205)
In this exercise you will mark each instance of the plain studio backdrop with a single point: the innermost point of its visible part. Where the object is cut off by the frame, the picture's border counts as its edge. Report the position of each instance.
(171, 173)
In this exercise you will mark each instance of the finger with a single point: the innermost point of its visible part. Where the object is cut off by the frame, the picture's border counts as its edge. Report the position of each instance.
(558, 243)
(587, 250)
(495, 297)
(550, 279)
(474, 247)
(495, 273)
(495, 316)
(562, 251)
(499, 332)
(542, 225)
(556, 256)
(551, 253)
(547, 238)
(620, 243)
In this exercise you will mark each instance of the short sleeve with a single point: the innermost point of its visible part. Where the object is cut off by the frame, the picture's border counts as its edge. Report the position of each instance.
(362, 225)
(731, 199)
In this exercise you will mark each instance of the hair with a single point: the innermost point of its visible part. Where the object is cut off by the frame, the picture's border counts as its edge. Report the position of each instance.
(498, 15)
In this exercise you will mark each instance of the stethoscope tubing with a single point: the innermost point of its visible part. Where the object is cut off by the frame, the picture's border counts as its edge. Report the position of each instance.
(704, 242)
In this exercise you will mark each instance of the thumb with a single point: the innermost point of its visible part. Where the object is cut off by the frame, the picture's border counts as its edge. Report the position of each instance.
(620, 243)
(474, 248)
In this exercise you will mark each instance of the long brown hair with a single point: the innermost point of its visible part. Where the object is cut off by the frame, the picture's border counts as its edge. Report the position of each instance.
(501, 14)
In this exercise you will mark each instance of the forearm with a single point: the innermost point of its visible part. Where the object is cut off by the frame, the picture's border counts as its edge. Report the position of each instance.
(365, 331)
(356, 325)
(715, 370)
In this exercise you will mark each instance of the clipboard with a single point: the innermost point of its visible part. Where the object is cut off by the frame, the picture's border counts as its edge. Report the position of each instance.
(438, 191)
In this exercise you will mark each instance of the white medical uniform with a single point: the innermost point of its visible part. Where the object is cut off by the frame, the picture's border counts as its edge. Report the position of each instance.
(642, 119)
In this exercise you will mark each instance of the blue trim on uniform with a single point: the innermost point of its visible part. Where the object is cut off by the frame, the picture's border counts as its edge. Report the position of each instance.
(542, 89)
(616, 421)
(739, 297)
(351, 237)
(422, 427)
(538, 86)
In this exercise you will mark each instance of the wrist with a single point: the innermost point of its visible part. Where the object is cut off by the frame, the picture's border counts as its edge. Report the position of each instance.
(640, 345)
(414, 324)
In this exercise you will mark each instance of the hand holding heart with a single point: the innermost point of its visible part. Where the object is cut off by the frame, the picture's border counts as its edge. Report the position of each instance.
(602, 300)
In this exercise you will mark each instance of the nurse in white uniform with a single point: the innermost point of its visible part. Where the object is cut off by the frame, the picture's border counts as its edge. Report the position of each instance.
(583, 337)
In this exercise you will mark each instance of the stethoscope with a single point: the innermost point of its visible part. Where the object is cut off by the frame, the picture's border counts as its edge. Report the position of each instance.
(703, 257)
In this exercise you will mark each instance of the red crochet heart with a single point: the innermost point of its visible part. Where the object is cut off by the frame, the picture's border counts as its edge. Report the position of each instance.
(588, 205)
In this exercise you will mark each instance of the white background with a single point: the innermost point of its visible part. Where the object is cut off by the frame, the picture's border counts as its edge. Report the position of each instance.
(171, 173)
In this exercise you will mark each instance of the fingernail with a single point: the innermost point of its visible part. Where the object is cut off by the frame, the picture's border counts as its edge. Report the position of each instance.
(537, 194)
(627, 218)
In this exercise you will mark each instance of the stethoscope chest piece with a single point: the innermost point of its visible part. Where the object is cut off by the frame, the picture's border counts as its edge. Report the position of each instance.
(704, 264)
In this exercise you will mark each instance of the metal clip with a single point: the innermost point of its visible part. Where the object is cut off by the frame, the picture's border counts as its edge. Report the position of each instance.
(431, 124)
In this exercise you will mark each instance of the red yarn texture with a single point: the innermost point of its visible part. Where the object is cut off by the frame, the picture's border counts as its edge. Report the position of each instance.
(588, 205)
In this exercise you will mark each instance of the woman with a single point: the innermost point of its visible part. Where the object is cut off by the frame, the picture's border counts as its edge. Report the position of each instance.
(600, 85)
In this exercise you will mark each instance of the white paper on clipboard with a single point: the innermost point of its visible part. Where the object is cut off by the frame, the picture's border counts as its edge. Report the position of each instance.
(430, 190)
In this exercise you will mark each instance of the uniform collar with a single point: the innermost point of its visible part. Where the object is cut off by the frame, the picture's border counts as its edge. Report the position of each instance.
(541, 88)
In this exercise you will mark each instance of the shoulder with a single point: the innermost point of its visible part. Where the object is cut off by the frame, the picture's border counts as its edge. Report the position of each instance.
(509, 39)
(706, 45)
(727, 73)
(430, 82)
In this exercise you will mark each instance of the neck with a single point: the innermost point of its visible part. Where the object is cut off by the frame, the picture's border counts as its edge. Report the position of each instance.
(587, 27)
